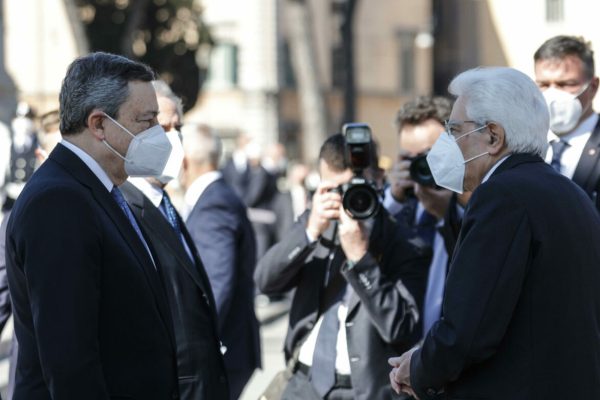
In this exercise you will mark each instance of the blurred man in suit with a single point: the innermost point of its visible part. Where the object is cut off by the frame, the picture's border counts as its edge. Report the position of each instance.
(519, 312)
(354, 300)
(200, 366)
(91, 315)
(565, 72)
(217, 221)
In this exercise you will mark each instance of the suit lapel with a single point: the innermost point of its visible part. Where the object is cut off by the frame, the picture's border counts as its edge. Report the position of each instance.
(154, 220)
(86, 177)
(586, 174)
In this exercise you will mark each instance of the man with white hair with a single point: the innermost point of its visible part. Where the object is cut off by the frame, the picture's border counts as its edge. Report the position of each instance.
(520, 312)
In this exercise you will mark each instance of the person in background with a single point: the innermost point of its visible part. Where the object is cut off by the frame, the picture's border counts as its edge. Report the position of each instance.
(523, 281)
(354, 299)
(424, 211)
(565, 73)
(200, 367)
(223, 236)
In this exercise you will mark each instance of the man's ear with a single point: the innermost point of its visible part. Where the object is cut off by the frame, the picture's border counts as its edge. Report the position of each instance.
(497, 138)
(95, 123)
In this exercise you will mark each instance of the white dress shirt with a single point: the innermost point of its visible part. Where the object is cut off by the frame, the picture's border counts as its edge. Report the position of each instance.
(196, 189)
(576, 140)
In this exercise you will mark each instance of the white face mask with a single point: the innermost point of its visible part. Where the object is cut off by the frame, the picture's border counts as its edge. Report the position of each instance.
(175, 160)
(447, 163)
(565, 109)
(148, 151)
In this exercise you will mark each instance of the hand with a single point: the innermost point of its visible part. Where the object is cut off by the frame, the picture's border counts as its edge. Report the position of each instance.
(435, 201)
(325, 207)
(400, 374)
(399, 176)
(354, 237)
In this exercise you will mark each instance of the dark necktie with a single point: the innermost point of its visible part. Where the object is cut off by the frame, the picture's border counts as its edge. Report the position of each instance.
(558, 147)
(426, 227)
(118, 196)
(322, 371)
(171, 214)
(169, 211)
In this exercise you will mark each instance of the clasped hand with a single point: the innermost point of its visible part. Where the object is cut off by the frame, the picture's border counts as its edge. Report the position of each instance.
(400, 373)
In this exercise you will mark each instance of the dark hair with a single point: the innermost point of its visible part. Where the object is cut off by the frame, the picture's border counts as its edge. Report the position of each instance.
(97, 80)
(423, 108)
(333, 152)
(562, 46)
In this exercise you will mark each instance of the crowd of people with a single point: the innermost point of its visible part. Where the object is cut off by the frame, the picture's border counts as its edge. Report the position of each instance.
(131, 253)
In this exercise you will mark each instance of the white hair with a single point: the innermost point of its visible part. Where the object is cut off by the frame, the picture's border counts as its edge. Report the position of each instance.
(201, 144)
(510, 98)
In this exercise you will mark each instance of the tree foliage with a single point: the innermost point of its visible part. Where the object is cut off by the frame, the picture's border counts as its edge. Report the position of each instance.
(165, 34)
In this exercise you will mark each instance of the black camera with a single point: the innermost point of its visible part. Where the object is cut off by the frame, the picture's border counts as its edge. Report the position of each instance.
(420, 172)
(359, 196)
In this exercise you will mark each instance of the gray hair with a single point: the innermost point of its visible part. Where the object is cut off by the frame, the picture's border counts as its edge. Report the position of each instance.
(510, 98)
(97, 81)
(162, 89)
(201, 144)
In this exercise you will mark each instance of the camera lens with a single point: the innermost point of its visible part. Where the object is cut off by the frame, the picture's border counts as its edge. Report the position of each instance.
(420, 172)
(360, 201)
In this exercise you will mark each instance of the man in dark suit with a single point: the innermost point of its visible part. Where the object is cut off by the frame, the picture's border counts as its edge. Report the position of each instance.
(354, 301)
(200, 366)
(565, 72)
(519, 315)
(217, 221)
(90, 311)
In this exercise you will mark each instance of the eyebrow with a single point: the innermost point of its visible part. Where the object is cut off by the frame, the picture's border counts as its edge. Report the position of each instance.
(151, 114)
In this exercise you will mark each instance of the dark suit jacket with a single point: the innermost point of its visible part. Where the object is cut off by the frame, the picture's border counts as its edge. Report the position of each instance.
(225, 241)
(90, 312)
(200, 365)
(382, 319)
(521, 311)
(587, 172)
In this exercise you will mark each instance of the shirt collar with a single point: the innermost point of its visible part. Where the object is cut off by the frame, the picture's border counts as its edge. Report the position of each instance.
(91, 164)
(197, 188)
(494, 167)
(153, 193)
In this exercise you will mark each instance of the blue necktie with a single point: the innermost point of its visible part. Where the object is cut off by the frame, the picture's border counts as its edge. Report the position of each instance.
(558, 147)
(118, 196)
(426, 227)
(169, 211)
(171, 214)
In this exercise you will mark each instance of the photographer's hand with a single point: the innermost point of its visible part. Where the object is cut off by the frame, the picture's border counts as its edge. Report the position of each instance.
(354, 237)
(435, 201)
(399, 176)
(326, 206)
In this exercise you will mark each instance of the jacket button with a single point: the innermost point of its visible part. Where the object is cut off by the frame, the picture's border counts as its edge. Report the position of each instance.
(349, 324)
(222, 379)
(354, 359)
(431, 392)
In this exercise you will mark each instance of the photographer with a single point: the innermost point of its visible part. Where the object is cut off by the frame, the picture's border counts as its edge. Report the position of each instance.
(423, 211)
(353, 303)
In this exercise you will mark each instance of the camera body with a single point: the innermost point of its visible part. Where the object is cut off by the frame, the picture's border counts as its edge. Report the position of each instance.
(359, 195)
(420, 172)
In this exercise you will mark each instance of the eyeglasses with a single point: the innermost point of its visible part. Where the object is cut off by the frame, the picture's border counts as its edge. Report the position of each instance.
(452, 127)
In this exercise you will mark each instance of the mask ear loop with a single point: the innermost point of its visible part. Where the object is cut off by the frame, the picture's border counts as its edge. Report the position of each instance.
(108, 145)
(474, 130)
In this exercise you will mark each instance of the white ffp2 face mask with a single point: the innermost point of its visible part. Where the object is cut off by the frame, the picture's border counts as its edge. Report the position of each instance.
(447, 163)
(175, 160)
(565, 109)
(148, 151)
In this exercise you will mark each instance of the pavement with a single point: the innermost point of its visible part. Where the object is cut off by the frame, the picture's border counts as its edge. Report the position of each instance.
(274, 322)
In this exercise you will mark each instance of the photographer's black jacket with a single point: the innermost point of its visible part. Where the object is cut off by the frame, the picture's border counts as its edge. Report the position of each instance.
(383, 318)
